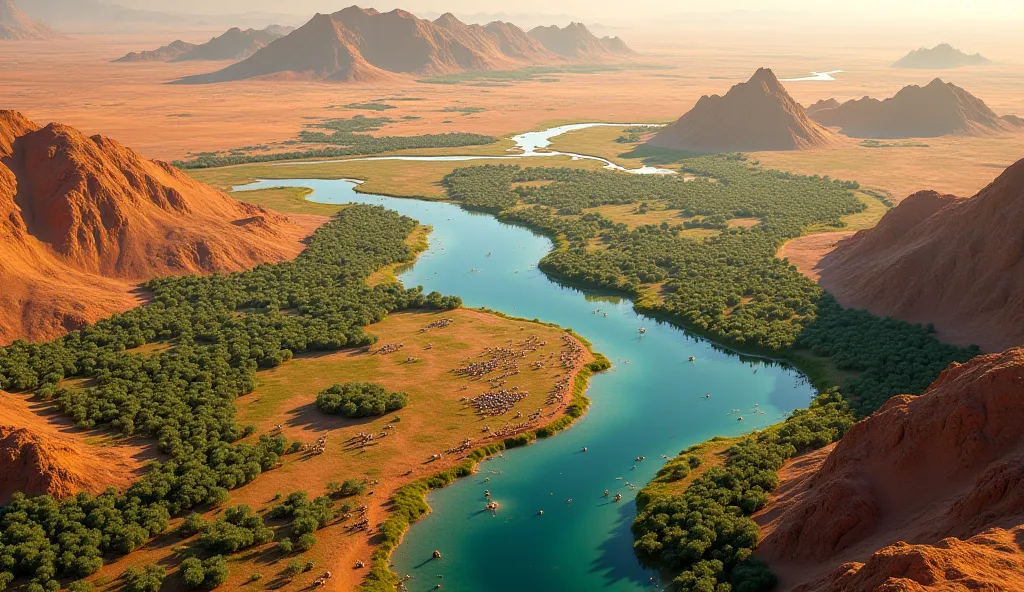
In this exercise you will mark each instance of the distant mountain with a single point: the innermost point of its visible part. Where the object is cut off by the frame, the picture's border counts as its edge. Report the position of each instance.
(235, 44)
(79, 12)
(822, 105)
(957, 263)
(577, 42)
(938, 109)
(279, 30)
(357, 44)
(16, 26)
(162, 54)
(940, 57)
(753, 116)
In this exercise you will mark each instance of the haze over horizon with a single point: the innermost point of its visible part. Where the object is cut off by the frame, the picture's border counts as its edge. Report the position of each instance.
(932, 10)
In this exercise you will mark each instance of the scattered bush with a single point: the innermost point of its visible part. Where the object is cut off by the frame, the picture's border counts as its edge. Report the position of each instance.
(147, 579)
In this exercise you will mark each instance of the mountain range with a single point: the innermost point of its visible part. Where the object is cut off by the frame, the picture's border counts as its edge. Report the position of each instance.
(755, 115)
(357, 44)
(940, 57)
(234, 44)
(937, 109)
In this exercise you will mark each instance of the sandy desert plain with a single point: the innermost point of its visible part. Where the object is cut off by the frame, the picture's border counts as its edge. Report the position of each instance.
(75, 82)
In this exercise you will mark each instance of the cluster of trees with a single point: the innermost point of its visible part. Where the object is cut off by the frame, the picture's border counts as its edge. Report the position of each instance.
(732, 288)
(223, 329)
(306, 517)
(204, 574)
(705, 534)
(239, 528)
(342, 137)
(359, 399)
(147, 579)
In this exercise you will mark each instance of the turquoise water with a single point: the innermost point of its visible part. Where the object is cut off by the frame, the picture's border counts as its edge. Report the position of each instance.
(652, 403)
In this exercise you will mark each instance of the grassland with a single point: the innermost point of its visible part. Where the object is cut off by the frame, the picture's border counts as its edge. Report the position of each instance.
(286, 200)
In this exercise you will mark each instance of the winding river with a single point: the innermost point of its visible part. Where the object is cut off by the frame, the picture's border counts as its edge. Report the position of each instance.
(653, 403)
(528, 145)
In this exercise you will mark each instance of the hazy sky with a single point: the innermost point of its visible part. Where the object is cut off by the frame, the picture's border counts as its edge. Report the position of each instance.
(607, 10)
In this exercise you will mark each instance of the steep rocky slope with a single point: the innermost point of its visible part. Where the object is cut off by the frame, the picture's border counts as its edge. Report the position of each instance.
(754, 115)
(357, 44)
(940, 57)
(919, 496)
(957, 263)
(938, 109)
(16, 26)
(83, 219)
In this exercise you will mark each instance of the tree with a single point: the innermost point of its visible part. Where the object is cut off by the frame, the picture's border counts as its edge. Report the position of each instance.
(147, 579)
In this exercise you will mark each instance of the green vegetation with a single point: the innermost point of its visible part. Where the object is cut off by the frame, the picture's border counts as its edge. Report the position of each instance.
(306, 517)
(731, 288)
(147, 579)
(359, 399)
(371, 106)
(880, 144)
(463, 110)
(208, 574)
(343, 137)
(225, 328)
(532, 73)
(240, 528)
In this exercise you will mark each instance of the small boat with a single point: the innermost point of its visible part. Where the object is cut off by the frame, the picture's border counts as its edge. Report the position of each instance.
(618, 496)
(437, 554)
(693, 359)
(642, 331)
(606, 493)
(540, 513)
(568, 501)
(605, 314)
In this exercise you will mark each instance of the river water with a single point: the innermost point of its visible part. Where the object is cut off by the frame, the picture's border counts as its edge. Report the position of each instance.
(530, 144)
(652, 403)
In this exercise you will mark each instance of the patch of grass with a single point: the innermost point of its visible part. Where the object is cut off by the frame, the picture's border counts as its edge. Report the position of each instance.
(505, 77)
(875, 208)
(463, 110)
(286, 200)
(371, 106)
(880, 144)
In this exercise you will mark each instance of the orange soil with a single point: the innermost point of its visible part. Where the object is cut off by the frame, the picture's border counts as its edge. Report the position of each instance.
(84, 219)
(921, 470)
(433, 421)
(806, 252)
(42, 452)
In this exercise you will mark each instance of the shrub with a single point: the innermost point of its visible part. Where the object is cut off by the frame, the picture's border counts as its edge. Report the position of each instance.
(192, 525)
(306, 542)
(80, 586)
(147, 579)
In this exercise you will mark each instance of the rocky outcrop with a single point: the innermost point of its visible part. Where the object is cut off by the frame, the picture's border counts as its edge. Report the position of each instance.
(911, 493)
